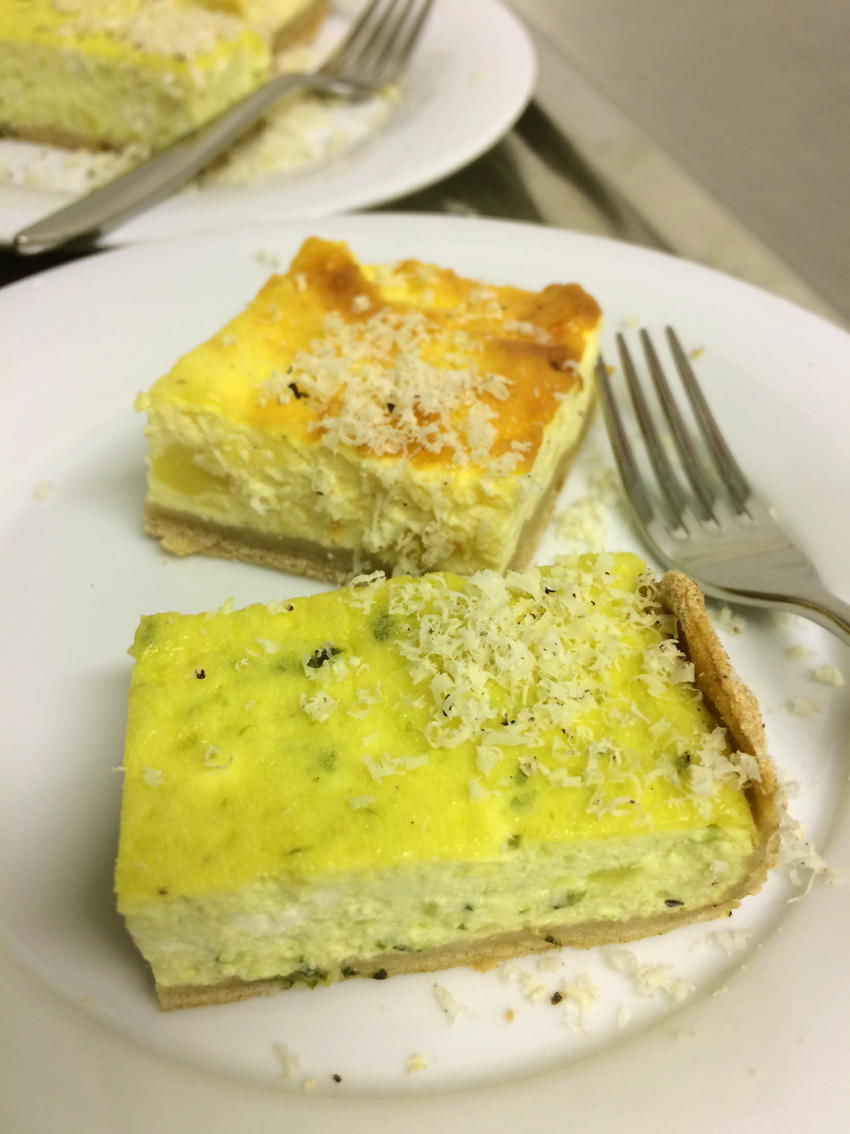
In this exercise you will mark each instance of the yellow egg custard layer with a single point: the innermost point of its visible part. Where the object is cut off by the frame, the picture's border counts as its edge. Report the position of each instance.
(358, 418)
(114, 73)
(410, 774)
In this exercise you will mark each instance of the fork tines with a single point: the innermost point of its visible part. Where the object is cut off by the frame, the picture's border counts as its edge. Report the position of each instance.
(703, 502)
(382, 38)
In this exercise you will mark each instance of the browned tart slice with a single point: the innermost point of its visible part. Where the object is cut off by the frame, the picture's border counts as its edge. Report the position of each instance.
(359, 417)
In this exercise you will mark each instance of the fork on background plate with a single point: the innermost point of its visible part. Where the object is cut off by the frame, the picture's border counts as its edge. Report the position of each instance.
(372, 56)
(702, 517)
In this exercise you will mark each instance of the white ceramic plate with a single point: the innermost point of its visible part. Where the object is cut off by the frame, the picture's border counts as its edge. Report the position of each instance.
(752, 1046)
(468, 81)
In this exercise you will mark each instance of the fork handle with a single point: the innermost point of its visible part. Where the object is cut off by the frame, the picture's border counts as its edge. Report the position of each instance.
(821, 606)
(154, 180)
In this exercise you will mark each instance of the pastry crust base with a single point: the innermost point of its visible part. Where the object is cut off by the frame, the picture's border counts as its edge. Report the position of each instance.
(737, 709)
(182, 534)
(481, 955)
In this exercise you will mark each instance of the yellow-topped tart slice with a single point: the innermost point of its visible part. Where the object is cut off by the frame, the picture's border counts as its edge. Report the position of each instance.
(410, 774)
(355, 418)
(116, 73)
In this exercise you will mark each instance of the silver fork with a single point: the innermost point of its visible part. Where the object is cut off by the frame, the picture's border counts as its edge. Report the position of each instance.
(710, 523)
(372, 55)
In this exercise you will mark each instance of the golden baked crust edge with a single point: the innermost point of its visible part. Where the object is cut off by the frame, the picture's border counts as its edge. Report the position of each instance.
(734, 704)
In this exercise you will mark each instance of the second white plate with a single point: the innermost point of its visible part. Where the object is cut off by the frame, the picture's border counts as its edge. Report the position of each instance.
(469, 79)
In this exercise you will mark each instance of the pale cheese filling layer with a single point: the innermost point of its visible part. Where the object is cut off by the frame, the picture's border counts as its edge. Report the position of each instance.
(454, 517)
(310, 930)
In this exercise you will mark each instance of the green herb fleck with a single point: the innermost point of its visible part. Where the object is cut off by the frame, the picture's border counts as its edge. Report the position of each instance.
(323, 655)
(382, 628)
(570, 898)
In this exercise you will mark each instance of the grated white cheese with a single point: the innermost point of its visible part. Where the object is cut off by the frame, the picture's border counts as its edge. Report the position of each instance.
(550, 963)
(392, 765)
(532, 988)
(797, 651)
(320, 707)
(476, 791)
(288, 1060)
(828, 675)
(276, 388)
(623, 960)
(580, 997)
(605, 485)
(804, 706)
(799, 859)
(369, 384)
(303, 130)
(276, 606)
(357, 802)
(370, 695)
(727, 620)
(648, 980)
(152, 776)
(213, 761)
(448, 1003)
(732, 940)
(651, 979)
(585, 522)
(507, 660)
